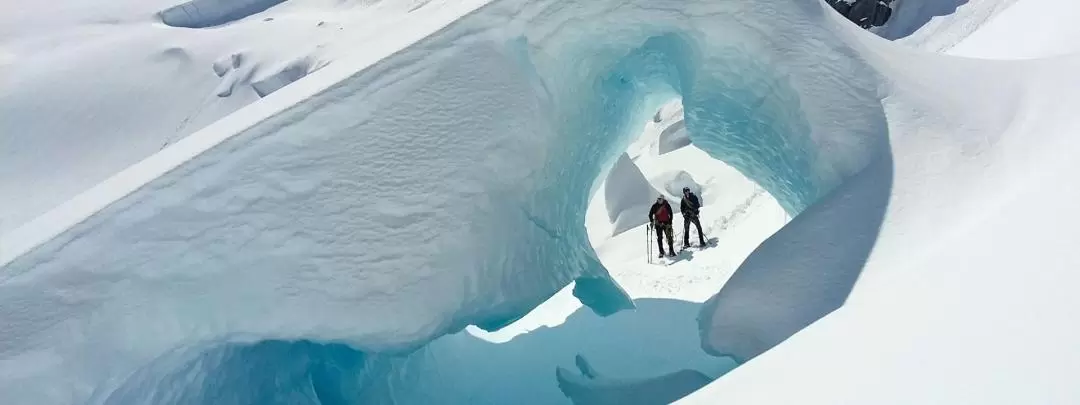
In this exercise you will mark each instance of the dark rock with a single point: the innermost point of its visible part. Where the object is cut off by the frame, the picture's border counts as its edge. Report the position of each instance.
(865, 13)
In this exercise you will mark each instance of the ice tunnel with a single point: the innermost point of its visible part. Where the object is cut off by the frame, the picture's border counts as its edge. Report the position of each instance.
(444, 185)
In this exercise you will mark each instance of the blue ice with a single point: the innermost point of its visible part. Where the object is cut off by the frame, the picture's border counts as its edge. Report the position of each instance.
(298, 260)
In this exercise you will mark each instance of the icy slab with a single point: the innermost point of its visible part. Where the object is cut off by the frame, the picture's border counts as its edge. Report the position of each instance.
(673, 137)
(210, 13)
(627, 195)
(281, 76)
(804, 271)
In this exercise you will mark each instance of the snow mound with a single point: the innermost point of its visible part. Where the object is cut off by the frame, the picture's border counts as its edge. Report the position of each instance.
(227, 63)
(627, 195)
(211, 13)
(233, 72)
(675, 180)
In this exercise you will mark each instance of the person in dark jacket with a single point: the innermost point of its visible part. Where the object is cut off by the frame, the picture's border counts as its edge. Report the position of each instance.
(690, 207)
(660, 216)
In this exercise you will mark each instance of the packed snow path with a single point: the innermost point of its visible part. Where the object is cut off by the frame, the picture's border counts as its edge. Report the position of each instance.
(446, 185)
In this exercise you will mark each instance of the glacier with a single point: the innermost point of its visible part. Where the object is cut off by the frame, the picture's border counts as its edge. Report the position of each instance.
(291, 252)
(445, 184)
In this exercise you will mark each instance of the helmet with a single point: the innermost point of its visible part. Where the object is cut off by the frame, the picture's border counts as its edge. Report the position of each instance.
(686, 189)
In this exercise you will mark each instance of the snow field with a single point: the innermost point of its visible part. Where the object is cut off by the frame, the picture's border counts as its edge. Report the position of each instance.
(91, 88)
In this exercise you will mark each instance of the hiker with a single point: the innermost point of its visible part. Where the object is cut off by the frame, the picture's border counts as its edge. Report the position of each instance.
(660, 216)
(690, 207)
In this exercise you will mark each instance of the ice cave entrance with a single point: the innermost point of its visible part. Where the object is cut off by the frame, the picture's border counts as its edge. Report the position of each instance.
(651, 354)
(662, 161)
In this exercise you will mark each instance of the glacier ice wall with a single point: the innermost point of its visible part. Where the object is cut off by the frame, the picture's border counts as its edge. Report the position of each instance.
(442, 186)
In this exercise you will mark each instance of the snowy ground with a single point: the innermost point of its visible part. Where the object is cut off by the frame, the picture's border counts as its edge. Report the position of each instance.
(121, 84)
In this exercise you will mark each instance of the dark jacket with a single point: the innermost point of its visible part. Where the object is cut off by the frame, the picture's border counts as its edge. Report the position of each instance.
(690, 205)
(656, 208)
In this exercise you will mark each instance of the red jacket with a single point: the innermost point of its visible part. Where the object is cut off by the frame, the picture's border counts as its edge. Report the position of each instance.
(661, 212)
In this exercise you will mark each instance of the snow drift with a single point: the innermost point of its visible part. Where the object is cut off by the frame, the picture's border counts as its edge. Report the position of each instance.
(442, 186)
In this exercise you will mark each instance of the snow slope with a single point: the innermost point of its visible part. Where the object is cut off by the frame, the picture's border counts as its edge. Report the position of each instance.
(93, 87)
(1029, 29)
(399, 195)
(971, 265)
(940, 25)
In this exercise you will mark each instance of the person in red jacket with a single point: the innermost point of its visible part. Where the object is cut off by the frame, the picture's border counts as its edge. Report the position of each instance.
(660, 216)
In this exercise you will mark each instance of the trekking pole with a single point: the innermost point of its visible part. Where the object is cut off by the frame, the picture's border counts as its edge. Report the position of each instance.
(675, 233)
(648, 244)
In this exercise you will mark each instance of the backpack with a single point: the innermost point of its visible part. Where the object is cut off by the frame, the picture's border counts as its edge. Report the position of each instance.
(693, 204)
(663, 214)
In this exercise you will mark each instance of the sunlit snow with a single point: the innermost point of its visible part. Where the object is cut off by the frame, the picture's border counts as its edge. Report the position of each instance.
(350, 202)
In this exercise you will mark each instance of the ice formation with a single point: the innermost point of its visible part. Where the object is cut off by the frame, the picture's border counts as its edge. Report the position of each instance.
(441, 186)
(209, 13)
(627, 195)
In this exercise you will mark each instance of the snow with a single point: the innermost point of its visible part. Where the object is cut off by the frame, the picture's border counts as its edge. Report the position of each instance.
(329, 242)
(1049, 30)
(626, 195)
(940, 303)
(93, 87)
(939, 25)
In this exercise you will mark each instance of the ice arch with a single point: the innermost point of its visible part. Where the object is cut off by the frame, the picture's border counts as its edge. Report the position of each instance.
(444, 185)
